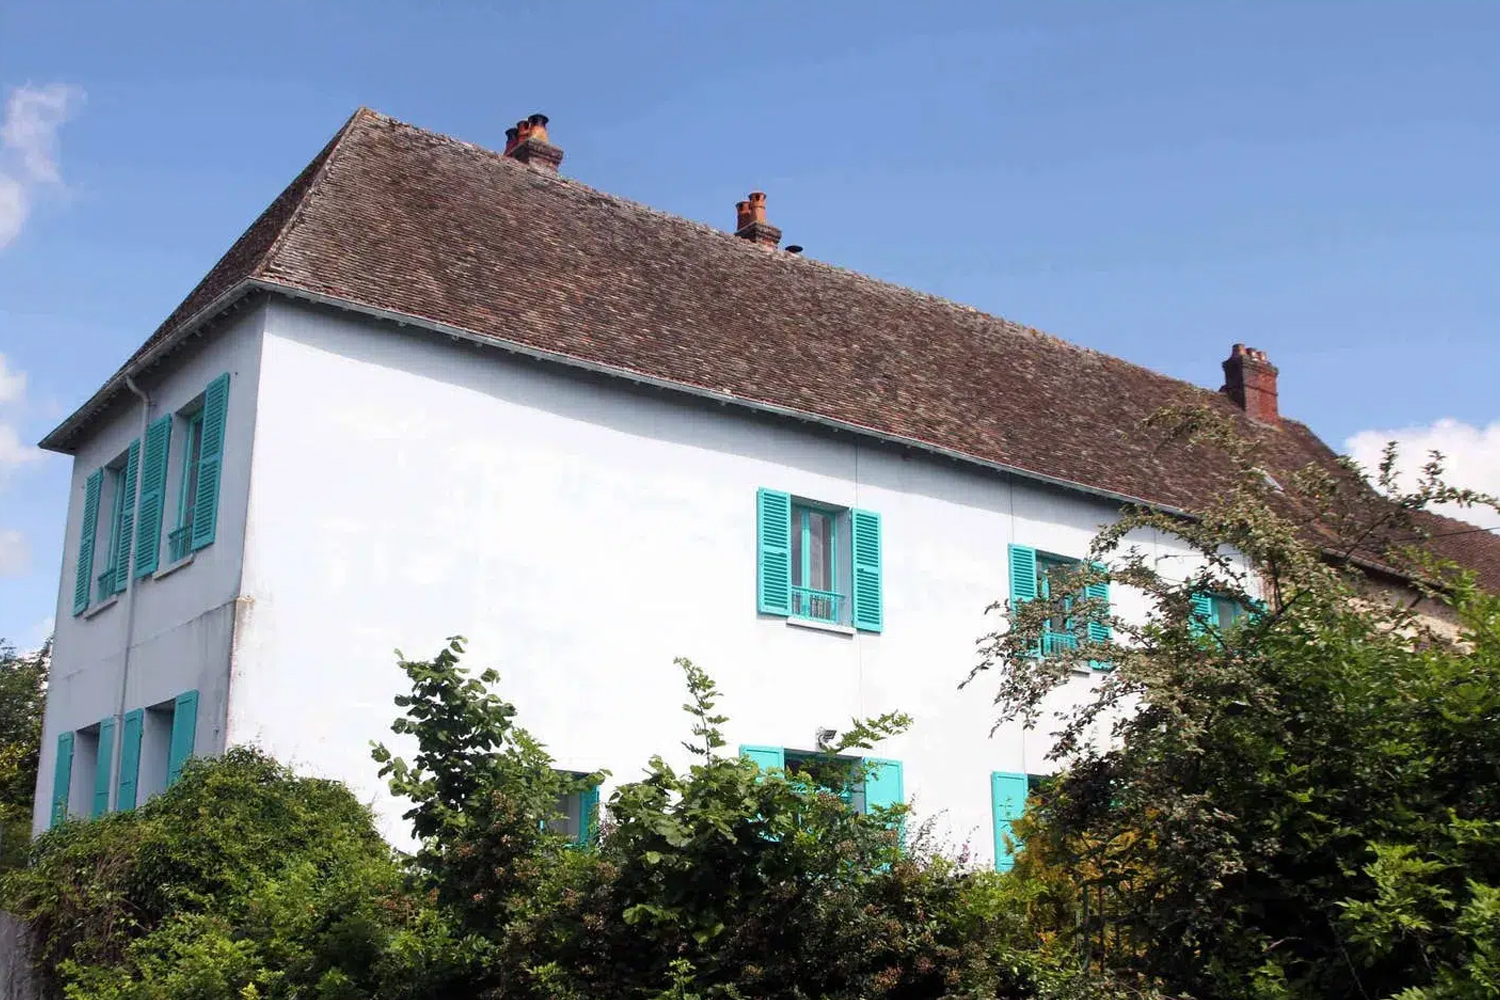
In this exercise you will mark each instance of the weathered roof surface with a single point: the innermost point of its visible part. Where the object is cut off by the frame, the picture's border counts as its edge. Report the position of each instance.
(409, 222)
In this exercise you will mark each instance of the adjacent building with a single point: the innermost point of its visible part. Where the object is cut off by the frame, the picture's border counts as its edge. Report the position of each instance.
(438, 389)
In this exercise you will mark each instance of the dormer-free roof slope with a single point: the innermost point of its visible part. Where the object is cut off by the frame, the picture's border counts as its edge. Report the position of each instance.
(423, 228)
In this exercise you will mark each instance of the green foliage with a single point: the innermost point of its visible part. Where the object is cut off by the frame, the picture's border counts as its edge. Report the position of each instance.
(23, 680)
(240, 881)
(1302, 804)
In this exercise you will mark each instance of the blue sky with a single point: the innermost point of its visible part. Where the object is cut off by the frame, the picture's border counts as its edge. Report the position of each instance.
(1156, 180)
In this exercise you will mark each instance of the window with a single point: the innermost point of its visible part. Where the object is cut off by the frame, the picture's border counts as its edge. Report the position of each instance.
(1051, 571)
(815, 546)
(881, 784)
(1216, 611)
(157, 742)
(1038, 575)
(181, 538)
(122, 482)
(577, 813)
(818, 562)
(1009, 791)
(836, 775)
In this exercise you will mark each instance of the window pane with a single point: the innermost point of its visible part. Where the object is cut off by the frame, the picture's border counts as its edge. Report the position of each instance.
(190, 469)
(799, 524)
(820, 533)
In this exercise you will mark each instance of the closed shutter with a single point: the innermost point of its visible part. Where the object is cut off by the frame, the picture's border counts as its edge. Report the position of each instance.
(184, 731)
(766, 758)
(588, 814)
(773, 534)
(62, 777)
(130, 759)
(884, 785)
(1008, 799)
(102, 769)
(123, 539)
(869, 603)
(210, 457)
(153, 495)
(85, 578)
(1202, 613)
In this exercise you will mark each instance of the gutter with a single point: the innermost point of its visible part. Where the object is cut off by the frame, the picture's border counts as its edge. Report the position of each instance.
(58, 439)
(131, 586)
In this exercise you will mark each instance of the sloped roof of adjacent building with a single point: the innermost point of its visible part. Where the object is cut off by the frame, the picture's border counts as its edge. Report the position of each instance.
(424, 228)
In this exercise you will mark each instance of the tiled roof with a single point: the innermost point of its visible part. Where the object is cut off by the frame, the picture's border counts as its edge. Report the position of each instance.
(411, 223)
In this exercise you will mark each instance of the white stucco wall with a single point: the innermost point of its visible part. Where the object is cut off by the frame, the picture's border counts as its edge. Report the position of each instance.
(182, 620)
(581, 534)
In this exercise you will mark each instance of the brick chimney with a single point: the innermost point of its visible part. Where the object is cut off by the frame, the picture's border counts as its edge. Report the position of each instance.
(1250, 381)
(750, 221)
(527, 142)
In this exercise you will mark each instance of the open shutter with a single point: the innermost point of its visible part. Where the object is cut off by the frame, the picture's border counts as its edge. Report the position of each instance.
(62, 777)
(121, 561)
(588, 814)
(773, 534)
(869, 603)
(102, 769)
(184, 731)
(766, 758)
(1202, 613)
(1023, 581)
(1008, 799)
(130, 759)
(153, 495)
(884, 785)
(1099, 631)
(1022, 573)
(83, 582)
(210, 457)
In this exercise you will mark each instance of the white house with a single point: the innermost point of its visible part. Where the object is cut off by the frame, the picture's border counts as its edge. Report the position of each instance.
(436, 389)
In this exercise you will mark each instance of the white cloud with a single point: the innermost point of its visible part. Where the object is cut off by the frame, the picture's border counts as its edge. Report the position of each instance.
(12, 384)
(13, 452)
(28, 149)
(1471, 458)
(15, 554)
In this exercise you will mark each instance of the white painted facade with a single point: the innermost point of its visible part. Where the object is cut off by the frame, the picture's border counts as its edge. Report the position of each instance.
(385, 487)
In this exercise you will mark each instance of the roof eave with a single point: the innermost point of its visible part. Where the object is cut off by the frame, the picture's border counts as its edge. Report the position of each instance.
(62, 438)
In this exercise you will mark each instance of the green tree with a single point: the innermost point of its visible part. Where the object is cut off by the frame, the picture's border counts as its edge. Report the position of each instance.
(242, 880)
(23, 684)
(1305, 803)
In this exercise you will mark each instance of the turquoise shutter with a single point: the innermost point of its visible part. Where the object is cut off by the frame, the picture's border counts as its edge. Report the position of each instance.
(102, 768)
(130, 759)
(62, 777)
(766, 758)
(773, 535)
(1008, 799)
(83, 582)
(153, 495)
(210, 457)
(1023, 581)
(121, 561)
(1022, 574)
(883, 783)
(869, 606)
(1202, 612)
(1099, 631)
(588, 814)
(184, 730)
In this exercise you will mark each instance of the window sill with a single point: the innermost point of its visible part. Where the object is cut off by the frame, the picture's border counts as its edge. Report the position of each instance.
(94, 609)
(186, 560)
(817, 626)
